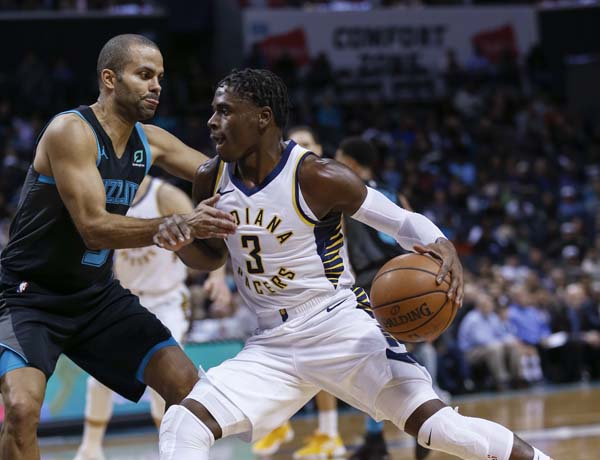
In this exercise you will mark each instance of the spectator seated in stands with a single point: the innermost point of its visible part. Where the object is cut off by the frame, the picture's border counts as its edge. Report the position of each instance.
(484, 338)
(575, 344)
(531, 325)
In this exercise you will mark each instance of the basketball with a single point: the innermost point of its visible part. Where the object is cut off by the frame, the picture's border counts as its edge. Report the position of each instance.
(407, 301)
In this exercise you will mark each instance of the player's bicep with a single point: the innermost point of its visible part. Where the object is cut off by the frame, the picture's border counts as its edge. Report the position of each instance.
(71, 150)
(329, 186)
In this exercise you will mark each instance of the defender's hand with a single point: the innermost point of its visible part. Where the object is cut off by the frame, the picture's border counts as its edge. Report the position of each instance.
(445, 251)
(173, 233)
(208, 222)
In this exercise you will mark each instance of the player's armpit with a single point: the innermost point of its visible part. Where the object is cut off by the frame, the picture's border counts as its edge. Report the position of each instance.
(171, 154)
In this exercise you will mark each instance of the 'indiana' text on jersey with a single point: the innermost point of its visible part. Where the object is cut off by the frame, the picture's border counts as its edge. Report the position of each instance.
(44, 245)
(282, 255)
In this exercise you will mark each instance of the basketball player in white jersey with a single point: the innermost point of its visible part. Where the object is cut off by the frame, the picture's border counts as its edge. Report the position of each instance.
(290, 264)
(326, 441)
(157, 277)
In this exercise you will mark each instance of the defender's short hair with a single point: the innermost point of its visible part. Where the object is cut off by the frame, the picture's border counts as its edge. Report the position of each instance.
(261, 87)
(115, 54)
(362, 151)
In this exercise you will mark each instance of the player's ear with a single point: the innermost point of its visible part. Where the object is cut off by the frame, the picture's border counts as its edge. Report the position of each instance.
(265, 117)
(108, 78)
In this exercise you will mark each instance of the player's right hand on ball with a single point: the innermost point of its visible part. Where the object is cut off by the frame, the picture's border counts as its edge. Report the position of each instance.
(445, 251)
(206, 221)
(173, 233)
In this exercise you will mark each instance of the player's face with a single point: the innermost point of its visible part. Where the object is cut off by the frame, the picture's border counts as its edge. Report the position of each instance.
(137, 89)
(234, 125)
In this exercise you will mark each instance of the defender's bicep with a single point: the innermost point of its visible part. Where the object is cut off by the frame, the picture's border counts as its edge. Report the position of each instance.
(171, 154)
(71, 150)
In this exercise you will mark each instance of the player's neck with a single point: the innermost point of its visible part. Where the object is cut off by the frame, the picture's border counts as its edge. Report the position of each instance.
(256, 166)
(116, 124)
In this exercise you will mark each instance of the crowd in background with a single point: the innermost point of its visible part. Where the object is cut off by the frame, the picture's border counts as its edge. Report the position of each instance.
(114, 6)
(371, 4)
(148, 6)
(510, 175)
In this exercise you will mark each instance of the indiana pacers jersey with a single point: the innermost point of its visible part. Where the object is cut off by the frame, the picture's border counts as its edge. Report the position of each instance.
(149, 271)
(44, 245)
(282, 255)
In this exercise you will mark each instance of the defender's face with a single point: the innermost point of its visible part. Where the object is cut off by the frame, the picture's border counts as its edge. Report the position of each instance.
(138, 88)
(234, 125)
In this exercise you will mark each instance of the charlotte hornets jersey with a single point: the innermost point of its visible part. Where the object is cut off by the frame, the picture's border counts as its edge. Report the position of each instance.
(282, 255)
(44, 245)
(149, 271)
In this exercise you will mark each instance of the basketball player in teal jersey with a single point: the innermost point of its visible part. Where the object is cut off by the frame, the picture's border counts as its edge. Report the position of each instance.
(290, 263)
(158, 278)
(57, 292)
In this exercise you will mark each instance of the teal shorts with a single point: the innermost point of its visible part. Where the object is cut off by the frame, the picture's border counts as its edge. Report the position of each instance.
(9, 360)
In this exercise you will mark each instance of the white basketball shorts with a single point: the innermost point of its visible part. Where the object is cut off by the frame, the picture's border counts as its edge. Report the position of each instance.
(337, 347)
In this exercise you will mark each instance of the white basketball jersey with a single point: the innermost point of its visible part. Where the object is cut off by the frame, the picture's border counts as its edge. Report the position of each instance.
(150, 270)
(282, 255)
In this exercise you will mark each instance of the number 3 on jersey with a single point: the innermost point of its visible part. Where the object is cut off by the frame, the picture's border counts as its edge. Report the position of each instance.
(252, 242)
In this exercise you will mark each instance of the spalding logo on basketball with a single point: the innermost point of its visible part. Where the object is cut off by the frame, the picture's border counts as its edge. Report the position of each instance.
(399, 319)
(407, 301)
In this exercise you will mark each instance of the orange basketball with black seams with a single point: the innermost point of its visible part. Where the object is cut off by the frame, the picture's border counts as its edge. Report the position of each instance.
(407, 301)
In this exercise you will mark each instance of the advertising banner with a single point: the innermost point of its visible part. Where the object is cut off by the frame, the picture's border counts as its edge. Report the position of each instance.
(395, 38)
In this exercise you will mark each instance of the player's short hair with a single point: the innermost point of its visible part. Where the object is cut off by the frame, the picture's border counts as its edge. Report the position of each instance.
(115, 54)
(261, 87)
(360, 150)
(308, 129)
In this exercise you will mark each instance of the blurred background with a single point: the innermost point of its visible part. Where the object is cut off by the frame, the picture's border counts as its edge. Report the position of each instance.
(484, 115)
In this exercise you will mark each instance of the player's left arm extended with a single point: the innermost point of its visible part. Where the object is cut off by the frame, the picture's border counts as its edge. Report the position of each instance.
(329, 186)
(171, 154)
